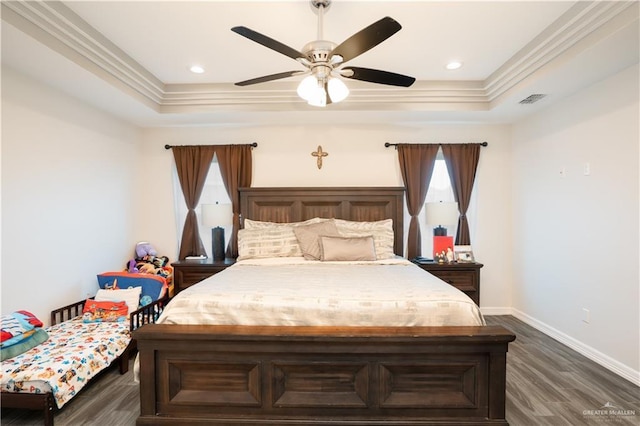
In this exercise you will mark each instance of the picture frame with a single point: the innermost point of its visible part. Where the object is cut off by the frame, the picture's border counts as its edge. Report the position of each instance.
(463, 254)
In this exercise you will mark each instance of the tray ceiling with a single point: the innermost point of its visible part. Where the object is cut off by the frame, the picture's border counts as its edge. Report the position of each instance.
(132, 58)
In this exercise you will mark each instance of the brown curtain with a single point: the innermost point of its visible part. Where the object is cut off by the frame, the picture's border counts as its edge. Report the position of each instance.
(416, 166)
(192, 164)
(462, 162)
(235, 167)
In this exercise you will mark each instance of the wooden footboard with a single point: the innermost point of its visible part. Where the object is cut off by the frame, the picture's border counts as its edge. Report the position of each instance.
(320, 375)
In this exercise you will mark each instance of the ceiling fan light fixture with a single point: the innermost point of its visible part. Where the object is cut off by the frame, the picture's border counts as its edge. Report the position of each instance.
(308, 87)
(319, 97)
(312, 90)
(323, 60)
(338, 91)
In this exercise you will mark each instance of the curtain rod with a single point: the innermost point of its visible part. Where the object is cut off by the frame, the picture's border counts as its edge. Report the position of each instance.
(387, 144)
(254, 144)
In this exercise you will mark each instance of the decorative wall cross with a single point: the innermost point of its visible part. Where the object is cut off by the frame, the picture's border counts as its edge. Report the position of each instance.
(319, 153)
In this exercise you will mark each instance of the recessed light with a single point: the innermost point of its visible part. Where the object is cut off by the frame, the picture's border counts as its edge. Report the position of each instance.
(196, 69)
(453, 65)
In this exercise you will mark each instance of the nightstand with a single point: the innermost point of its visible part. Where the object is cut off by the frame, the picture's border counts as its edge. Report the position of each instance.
(463, 276)
(188, 272)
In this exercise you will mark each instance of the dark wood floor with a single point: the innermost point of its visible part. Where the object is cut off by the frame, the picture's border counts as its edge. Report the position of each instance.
(547, 384)
(551, 384)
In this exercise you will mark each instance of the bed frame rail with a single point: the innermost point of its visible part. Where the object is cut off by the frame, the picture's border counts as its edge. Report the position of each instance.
(147, 314)
(67, 312)
(255, 375)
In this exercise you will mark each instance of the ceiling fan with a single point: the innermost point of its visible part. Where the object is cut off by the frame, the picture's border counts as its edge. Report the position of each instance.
(324, 60)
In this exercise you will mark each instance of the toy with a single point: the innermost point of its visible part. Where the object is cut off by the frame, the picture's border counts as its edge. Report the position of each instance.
(112, 286)
(146, 268)
(143, 249)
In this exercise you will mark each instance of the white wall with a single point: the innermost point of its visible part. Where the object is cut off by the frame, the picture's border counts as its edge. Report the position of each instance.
(80, 188)
(357, 156)
(68, 182)
(576, 237)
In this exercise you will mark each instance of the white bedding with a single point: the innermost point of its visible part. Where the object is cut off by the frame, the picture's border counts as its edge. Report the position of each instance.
(295, 291)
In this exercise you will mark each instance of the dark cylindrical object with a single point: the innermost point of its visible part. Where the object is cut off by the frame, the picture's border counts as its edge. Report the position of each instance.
(440, 231)
(217, 243)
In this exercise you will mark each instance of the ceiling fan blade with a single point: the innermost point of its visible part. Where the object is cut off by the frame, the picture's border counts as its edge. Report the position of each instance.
(270, 77)
(268, 42)
(367, 38)
(378, 76)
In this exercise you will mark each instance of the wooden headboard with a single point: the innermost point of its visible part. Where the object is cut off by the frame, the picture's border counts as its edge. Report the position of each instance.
(363, 204)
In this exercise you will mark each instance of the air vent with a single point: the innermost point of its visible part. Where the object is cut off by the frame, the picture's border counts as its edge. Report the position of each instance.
(532, 98)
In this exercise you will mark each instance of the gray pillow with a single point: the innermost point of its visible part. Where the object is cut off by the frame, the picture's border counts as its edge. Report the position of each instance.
(309, 237)
(348, 248)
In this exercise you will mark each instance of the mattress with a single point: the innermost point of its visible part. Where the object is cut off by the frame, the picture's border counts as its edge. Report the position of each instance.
(293, 291)
(73, 354)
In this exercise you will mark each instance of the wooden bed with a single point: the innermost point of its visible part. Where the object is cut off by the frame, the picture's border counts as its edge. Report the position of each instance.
(272, 375)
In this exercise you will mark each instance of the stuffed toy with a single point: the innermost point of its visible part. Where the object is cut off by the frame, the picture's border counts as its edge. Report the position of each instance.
(160, 261)
(143, 249)
(146, 268)
(157, 261)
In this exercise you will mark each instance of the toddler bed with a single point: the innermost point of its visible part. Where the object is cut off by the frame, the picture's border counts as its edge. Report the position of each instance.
(50, 374)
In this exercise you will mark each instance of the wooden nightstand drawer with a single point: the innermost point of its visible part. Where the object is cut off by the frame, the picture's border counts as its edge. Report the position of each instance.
(462, 280)
(463, 276)
(188, 272)
(190, 277)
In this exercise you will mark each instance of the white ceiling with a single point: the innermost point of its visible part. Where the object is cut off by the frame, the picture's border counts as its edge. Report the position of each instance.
(131, 58)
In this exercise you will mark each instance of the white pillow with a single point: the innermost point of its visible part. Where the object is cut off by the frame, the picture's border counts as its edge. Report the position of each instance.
(381, 231)
(268, 242)
(130, 296)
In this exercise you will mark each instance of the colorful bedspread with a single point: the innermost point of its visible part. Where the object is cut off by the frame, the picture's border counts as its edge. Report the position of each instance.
(74, 353)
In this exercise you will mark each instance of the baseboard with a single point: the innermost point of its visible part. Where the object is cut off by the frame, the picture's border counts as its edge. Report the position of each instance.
(496, 311)
(604, 360)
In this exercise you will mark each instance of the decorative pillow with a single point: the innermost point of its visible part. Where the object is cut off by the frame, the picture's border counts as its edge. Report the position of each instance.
(382, 232)
(96, 311)
(130, 296)
(257, 224)
(154, 286)
(354, 248)
(309, 237)
(267, 242)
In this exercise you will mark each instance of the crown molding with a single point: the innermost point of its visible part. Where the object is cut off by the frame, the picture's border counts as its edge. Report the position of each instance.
(58, 27)
(449, 95)
(565, 34)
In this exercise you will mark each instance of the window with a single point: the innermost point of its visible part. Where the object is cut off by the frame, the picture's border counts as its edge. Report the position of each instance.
(440, 190)
(213, 191)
